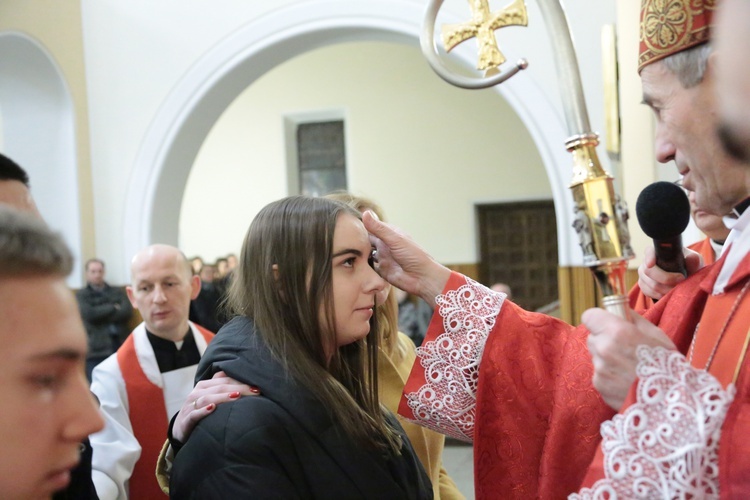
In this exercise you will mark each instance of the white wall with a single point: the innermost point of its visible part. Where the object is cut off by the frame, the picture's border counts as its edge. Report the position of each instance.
(38, 133)
(426, 151)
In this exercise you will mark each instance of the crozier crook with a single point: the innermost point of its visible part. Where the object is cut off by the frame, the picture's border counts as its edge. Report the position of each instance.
(603, 227)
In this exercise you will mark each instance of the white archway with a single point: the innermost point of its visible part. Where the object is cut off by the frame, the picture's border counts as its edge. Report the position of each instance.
(164, 160)
(39, 133)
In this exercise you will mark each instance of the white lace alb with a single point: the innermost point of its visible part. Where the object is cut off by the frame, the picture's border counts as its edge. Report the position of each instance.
(447, 402)
(666, 444)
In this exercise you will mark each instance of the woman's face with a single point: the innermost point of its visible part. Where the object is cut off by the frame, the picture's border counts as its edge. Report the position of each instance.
(355, 283)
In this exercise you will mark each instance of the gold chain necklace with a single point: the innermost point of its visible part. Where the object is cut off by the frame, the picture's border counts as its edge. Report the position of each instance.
(721, 333)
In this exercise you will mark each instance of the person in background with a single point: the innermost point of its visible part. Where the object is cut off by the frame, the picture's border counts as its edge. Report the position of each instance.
(196, 264)
(204, 309)
(231, 262)
(14, 187)
(48, 409)
(106, 312)
(222, 268)
(305, 295)
(502, 288)
(414, 316)
(149, 378)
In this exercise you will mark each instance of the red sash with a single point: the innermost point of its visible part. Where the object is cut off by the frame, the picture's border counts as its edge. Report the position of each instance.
(148, 417)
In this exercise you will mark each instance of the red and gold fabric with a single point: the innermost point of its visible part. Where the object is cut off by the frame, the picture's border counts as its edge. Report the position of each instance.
(670, 26)
(518, 384)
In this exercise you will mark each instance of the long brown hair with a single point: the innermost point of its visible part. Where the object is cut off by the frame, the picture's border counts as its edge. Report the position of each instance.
(283, 280)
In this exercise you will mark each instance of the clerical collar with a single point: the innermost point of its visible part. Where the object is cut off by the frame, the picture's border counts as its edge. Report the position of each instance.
(170, 356)
(717, 246)
(741, 207)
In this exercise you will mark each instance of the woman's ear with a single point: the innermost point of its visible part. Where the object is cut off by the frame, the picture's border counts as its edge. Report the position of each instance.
(276, 279)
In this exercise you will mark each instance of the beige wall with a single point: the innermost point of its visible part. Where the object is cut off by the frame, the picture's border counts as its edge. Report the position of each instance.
(426, 151)
(57, 26)
(135, 59)
(638, 161)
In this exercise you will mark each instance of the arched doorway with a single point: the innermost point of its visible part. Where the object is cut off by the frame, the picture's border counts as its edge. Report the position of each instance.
(172, 142)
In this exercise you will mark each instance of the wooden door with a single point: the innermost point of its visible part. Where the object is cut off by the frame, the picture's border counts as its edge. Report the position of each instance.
(518, 246)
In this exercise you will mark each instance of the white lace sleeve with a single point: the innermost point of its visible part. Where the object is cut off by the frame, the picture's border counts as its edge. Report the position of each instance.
(447, 401)
(666, 444)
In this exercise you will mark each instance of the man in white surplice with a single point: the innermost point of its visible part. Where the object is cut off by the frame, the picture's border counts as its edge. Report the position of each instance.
(148, 379)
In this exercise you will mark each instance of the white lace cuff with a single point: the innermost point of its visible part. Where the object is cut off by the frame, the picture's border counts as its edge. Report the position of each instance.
(447, 401)
(666, 444)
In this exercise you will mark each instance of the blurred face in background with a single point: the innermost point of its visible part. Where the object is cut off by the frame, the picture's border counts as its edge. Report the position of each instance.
(95, 273)
(231, 261)
(16, 194)
(711, 225)
(732, 47)
(222, 268)
(208, 273)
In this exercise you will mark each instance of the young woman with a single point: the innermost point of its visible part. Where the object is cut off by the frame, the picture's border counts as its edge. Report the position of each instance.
(305, 294)
(395, 359)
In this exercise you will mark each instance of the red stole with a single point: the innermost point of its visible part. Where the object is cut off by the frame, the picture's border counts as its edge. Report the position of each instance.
(148, 417)
(730, 346)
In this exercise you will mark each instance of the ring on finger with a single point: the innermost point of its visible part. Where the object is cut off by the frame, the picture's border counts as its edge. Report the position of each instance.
(195, 404)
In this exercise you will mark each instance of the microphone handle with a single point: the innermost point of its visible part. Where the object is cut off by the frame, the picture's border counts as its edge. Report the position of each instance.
(669, 255)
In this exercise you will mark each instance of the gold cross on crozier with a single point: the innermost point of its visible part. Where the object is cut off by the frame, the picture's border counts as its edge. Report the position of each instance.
(483, 26)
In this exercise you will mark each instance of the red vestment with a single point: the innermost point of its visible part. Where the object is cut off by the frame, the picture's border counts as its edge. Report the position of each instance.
(148, 417)
(726, 334)
(519, 385)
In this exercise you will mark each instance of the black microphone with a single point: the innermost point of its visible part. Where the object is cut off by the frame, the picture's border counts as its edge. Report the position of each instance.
(663, 211)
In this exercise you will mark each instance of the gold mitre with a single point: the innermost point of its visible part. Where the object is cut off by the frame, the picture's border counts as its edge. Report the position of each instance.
(670, 26)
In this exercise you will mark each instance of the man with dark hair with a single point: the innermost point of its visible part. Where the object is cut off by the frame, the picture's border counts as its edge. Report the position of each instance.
(204, 309)
(14, 192)
(48, 409)
(14, 186)
(106, 312)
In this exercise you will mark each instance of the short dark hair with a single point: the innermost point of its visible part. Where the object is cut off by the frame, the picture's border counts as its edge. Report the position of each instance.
(29, 248)
(91, 261)
(11, 171)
